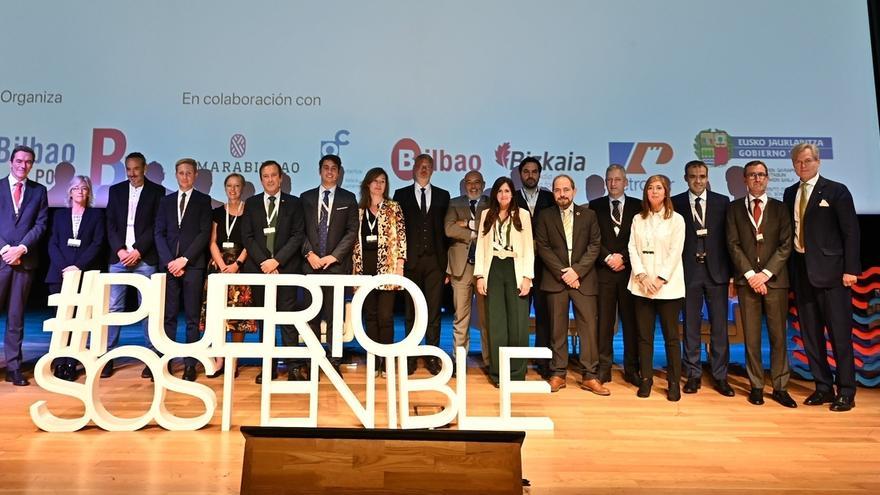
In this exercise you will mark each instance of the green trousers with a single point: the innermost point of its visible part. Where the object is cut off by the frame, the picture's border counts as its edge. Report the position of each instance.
(507, 316)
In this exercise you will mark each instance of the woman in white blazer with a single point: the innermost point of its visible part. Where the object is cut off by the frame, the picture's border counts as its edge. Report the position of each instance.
(657, 281)
(504, 266)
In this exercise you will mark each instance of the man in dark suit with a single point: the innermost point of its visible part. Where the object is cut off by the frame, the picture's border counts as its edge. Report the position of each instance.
(183, 230)
(759, 240)
(24, 210)
(424, 209)
(615, 214)
(824, 266)
(706, 274)
(272, 233)
(534, 198)
(331, 227)
(461, 222)
(567, 240)
(131, 221)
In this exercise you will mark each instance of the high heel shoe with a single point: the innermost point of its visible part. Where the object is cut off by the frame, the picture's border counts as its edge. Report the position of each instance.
(219, 371)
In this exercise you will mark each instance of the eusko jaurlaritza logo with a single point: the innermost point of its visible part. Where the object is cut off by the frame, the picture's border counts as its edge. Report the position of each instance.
(718, 147)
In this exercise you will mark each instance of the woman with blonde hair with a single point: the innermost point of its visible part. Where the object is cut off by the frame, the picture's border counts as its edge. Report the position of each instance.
(657, 281)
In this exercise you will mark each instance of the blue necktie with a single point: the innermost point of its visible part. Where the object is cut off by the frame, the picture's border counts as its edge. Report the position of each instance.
(322, 224)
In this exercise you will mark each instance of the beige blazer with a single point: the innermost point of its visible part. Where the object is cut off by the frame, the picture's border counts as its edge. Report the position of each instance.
(655, 247)
(523, 246)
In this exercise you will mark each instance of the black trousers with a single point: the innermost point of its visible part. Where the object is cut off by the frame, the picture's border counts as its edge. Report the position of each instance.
(700, 287)
(379, 315)
(428, 275)
(647, 311)
(614, 301)
(286, 300)
(189, 287)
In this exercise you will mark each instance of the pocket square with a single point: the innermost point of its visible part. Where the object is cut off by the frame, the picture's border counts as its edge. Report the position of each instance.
(342, 208)
(824, 203)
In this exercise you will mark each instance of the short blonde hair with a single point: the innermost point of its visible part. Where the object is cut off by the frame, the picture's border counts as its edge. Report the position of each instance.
(798, 148)
(77, 180)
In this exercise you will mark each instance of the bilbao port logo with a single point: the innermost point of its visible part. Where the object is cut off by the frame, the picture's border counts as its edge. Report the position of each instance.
(509, 157)
(718, 147)
(405, 151)
(633, 156)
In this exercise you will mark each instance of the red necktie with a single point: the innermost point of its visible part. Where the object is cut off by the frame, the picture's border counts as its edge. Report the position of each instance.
(16, 195)
(756, 213)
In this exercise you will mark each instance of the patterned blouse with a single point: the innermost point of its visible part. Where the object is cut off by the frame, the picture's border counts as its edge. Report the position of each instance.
(391, 243)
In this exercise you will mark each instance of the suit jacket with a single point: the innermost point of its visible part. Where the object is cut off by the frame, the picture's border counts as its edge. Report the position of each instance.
(715, 242)
(391, 241)
(460, 237)
(771, 254)
(341, 230)
(551, 245)
(90, 234)
(189, 239)
(612, 243)
(545, 200)
(412, 214)
(28, 228)
(523, 245)
(831, 233)
(144, 220)
(288, 234)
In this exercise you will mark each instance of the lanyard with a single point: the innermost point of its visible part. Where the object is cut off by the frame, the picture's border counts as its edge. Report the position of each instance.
(231, 225)
(274, 214)
(501, 235)
(372, 223)
(750, 208)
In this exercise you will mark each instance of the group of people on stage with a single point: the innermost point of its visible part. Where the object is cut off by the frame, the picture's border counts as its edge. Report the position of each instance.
(619, 258)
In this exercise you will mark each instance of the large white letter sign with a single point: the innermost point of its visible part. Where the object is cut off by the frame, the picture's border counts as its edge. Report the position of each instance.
(79, 330)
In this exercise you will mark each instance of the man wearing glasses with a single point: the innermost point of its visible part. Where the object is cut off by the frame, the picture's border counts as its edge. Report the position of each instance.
(759, 241)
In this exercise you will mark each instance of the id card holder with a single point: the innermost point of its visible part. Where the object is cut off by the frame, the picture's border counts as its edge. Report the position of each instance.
(759, 237)
(269, 230)
(228, 245)
(372, 238)
(74, 243)
(702, 232)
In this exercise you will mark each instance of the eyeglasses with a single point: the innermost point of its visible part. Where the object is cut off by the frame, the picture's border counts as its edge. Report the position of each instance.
(756, 175)
(79, 188)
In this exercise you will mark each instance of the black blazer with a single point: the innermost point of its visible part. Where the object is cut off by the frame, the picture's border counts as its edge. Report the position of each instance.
(614, 243)
(191, 238)
(144, 220)
(84, 257)
(717, 259)
(550, 245)
(831, 233)
(773, 252)
(341, 232)
(30, 225)
(288, 234)
(412, 214)
(545, 200)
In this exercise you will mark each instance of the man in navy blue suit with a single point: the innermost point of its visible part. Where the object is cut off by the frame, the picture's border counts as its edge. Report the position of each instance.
(824, 265)
(707, 275)
(331, 227)
(131, 220)
(23, 213)
(183, 230)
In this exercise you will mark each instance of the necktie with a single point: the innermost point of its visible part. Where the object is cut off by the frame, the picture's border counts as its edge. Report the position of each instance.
(615, 212)
(182, 205)
(698, 208)
(16, 195)
(756, 211)
(270, 238)
(472, 250)
(322, 224)
(802, 208)
(424, 202)
(567, 225)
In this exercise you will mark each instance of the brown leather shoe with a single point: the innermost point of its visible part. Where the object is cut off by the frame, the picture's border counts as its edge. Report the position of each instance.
(556, 383)
(593, 385)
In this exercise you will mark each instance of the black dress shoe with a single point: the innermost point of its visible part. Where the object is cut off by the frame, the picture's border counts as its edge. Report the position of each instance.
(645, 389)
(818, 398)
(147, 373)
(16, 378)
(70, 371)
(259, 379)
(189, 373)
(433, 365)
(692, 385)
(411, 365)
(107, 372)
(782, 397)
(841, 403)
(674, 392)
(724, 388)
(756, 396)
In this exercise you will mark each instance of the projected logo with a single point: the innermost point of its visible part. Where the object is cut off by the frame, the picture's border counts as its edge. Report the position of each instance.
(237, 145)
(333, 146)
(508, 157)
(405, 151)
(632, 155)
(717, 147)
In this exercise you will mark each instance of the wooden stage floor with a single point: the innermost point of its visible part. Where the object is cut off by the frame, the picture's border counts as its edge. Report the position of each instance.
(618, 444)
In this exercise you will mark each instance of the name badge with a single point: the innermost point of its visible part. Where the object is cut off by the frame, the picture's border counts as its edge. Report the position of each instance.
(759, 237)
(702, 232)
(372, 238)
(471, 225)
(228, 245)
(269, 230)
(74, 242)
